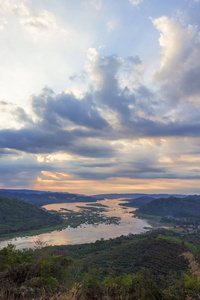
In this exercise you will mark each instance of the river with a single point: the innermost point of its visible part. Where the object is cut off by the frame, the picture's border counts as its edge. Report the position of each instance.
(85, 233)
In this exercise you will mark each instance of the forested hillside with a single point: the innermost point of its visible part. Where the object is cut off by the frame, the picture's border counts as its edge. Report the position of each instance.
(138, 202)
(153, 266)
(16, 216)
(172, 206)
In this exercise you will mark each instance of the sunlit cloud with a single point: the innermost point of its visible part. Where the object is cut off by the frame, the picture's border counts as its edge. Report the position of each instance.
(180, 67)
(30, 19)
(55, 182)
(81, 117)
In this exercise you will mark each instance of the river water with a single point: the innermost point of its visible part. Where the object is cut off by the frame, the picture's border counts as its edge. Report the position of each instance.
(85, 233)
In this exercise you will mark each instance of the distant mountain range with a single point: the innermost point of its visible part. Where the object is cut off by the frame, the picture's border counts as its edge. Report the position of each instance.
(41, 198)
(134, 196)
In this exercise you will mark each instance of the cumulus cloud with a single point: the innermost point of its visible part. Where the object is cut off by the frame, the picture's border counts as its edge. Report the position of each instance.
(107, 112)
(65, 107)
(115, 126)
(180, 66)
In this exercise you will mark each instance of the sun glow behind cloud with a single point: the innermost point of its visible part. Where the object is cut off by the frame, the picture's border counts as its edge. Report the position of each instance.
(81, 111)
(67, 183)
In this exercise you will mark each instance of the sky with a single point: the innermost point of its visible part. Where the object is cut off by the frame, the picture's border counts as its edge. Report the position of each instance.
(100, 96)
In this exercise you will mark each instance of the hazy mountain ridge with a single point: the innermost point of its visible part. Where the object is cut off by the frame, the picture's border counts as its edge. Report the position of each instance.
(40, 198)
(134, 196)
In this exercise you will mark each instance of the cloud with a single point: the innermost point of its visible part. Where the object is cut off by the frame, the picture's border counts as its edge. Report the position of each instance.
(118, 127)
(109, 111)
(55, 109)
(29, 18)
(136, 2)
(180, 66)
(40, 25)
(13, 115)
(20, 171)
(104, 71)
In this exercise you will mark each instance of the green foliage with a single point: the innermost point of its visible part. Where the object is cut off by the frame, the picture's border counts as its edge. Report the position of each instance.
(172, 206)
(195, 249)
(37, 269)
(144, 287)
(150, 266)
(89, 215)
(129, 254)
(17, 216)
(192, 284)
(91, 286)
(137, 286)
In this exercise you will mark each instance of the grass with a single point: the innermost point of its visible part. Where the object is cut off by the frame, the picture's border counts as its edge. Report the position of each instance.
(195, 249)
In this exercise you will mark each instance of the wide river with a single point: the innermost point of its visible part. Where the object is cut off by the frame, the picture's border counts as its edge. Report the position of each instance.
(85, 233)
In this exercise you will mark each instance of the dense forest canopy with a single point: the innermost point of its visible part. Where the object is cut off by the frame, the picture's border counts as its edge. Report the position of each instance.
(158, 265)
(16, 216)
(172, 206)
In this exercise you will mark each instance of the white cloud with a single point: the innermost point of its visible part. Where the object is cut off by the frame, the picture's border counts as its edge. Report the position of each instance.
(135, 2)
(180, 66)
(30, 19)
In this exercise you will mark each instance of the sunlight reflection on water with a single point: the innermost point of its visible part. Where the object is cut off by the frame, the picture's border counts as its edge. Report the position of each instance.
(86, 233)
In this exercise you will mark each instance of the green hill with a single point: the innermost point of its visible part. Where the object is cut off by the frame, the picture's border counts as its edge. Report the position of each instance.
(138, 202)
(16, 216)
(157, 266)
(129, 254)
(172, 206)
